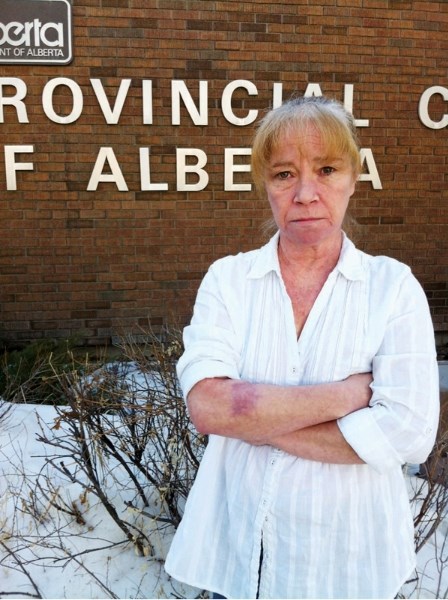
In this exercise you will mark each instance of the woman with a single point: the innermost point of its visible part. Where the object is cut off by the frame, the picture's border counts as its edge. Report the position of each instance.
(313, 368)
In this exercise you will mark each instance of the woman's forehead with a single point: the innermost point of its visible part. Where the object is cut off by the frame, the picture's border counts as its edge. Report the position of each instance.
(306, 141)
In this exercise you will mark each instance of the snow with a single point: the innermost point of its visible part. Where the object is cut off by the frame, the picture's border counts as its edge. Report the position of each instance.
(36, 540)
(116, 571)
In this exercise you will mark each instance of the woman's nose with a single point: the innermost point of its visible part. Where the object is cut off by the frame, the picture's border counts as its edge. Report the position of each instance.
(306, 191)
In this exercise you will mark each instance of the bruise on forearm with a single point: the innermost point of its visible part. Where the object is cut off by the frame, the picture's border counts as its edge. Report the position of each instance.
(243, 398)
(224, 407)
(256, 412)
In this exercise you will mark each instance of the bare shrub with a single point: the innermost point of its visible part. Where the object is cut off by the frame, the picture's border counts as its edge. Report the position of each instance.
(430, 496)
(429, 500)
(125, 433)
(123, 438)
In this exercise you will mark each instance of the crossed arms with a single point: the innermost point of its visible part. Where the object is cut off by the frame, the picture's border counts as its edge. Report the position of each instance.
(384, 418)
(300, 420)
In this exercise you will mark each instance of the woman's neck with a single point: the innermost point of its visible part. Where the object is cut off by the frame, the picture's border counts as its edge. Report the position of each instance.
(304, 273)
(301, 258)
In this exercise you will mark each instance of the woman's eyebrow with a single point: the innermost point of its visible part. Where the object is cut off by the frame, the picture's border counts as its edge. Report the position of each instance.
(280, 163)
(328, 158)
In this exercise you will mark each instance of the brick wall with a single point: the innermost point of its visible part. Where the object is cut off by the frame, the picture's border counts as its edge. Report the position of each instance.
(96, 263)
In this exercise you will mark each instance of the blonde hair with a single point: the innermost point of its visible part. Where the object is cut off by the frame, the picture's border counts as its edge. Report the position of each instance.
(334, 124)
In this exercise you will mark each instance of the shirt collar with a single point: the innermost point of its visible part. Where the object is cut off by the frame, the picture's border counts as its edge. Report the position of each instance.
(350, 264)
(266, 259)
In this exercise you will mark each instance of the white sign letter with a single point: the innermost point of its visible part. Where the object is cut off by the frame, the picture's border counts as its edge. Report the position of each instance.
(182, 169)
(145, 174)
(147, 101)
(230, 168)
(313, 89)
(178, 90)
(348, 105)
(423, 112)
(277, 95)
(116, 176)
(47, 100)
(16, 100)
(11, 167)
(226, 102)
(372, 172)
(112, 116)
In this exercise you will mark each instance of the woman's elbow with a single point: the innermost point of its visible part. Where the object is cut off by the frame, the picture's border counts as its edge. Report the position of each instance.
(419, 455)
(199, 402)
(197, 417)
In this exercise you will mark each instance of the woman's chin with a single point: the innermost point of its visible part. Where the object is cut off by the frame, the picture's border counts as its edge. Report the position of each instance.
(310, 233)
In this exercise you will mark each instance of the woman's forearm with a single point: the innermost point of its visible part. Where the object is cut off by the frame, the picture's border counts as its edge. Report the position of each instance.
(323, 443)
(257, 413)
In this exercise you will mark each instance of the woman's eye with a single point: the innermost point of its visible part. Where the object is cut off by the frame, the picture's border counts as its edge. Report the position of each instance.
(283, 175)
(328, 170)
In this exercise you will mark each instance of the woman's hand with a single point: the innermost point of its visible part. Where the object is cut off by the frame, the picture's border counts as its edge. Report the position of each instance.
(357, 391)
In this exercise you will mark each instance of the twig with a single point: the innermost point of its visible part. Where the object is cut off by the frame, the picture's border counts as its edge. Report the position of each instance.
(24, 571)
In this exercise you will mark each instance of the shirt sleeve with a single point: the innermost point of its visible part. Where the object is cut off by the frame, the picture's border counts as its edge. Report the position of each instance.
(400, 425)
(211, 344)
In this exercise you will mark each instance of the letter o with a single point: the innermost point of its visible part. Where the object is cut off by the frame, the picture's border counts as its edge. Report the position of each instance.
(47, 100)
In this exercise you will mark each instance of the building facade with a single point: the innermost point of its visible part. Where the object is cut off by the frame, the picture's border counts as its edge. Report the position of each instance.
(125, 147)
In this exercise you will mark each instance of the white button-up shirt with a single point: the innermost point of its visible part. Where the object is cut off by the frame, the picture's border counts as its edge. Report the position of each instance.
(326, 530)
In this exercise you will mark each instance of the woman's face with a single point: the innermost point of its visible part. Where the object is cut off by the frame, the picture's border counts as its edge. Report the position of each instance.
(308, 190)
